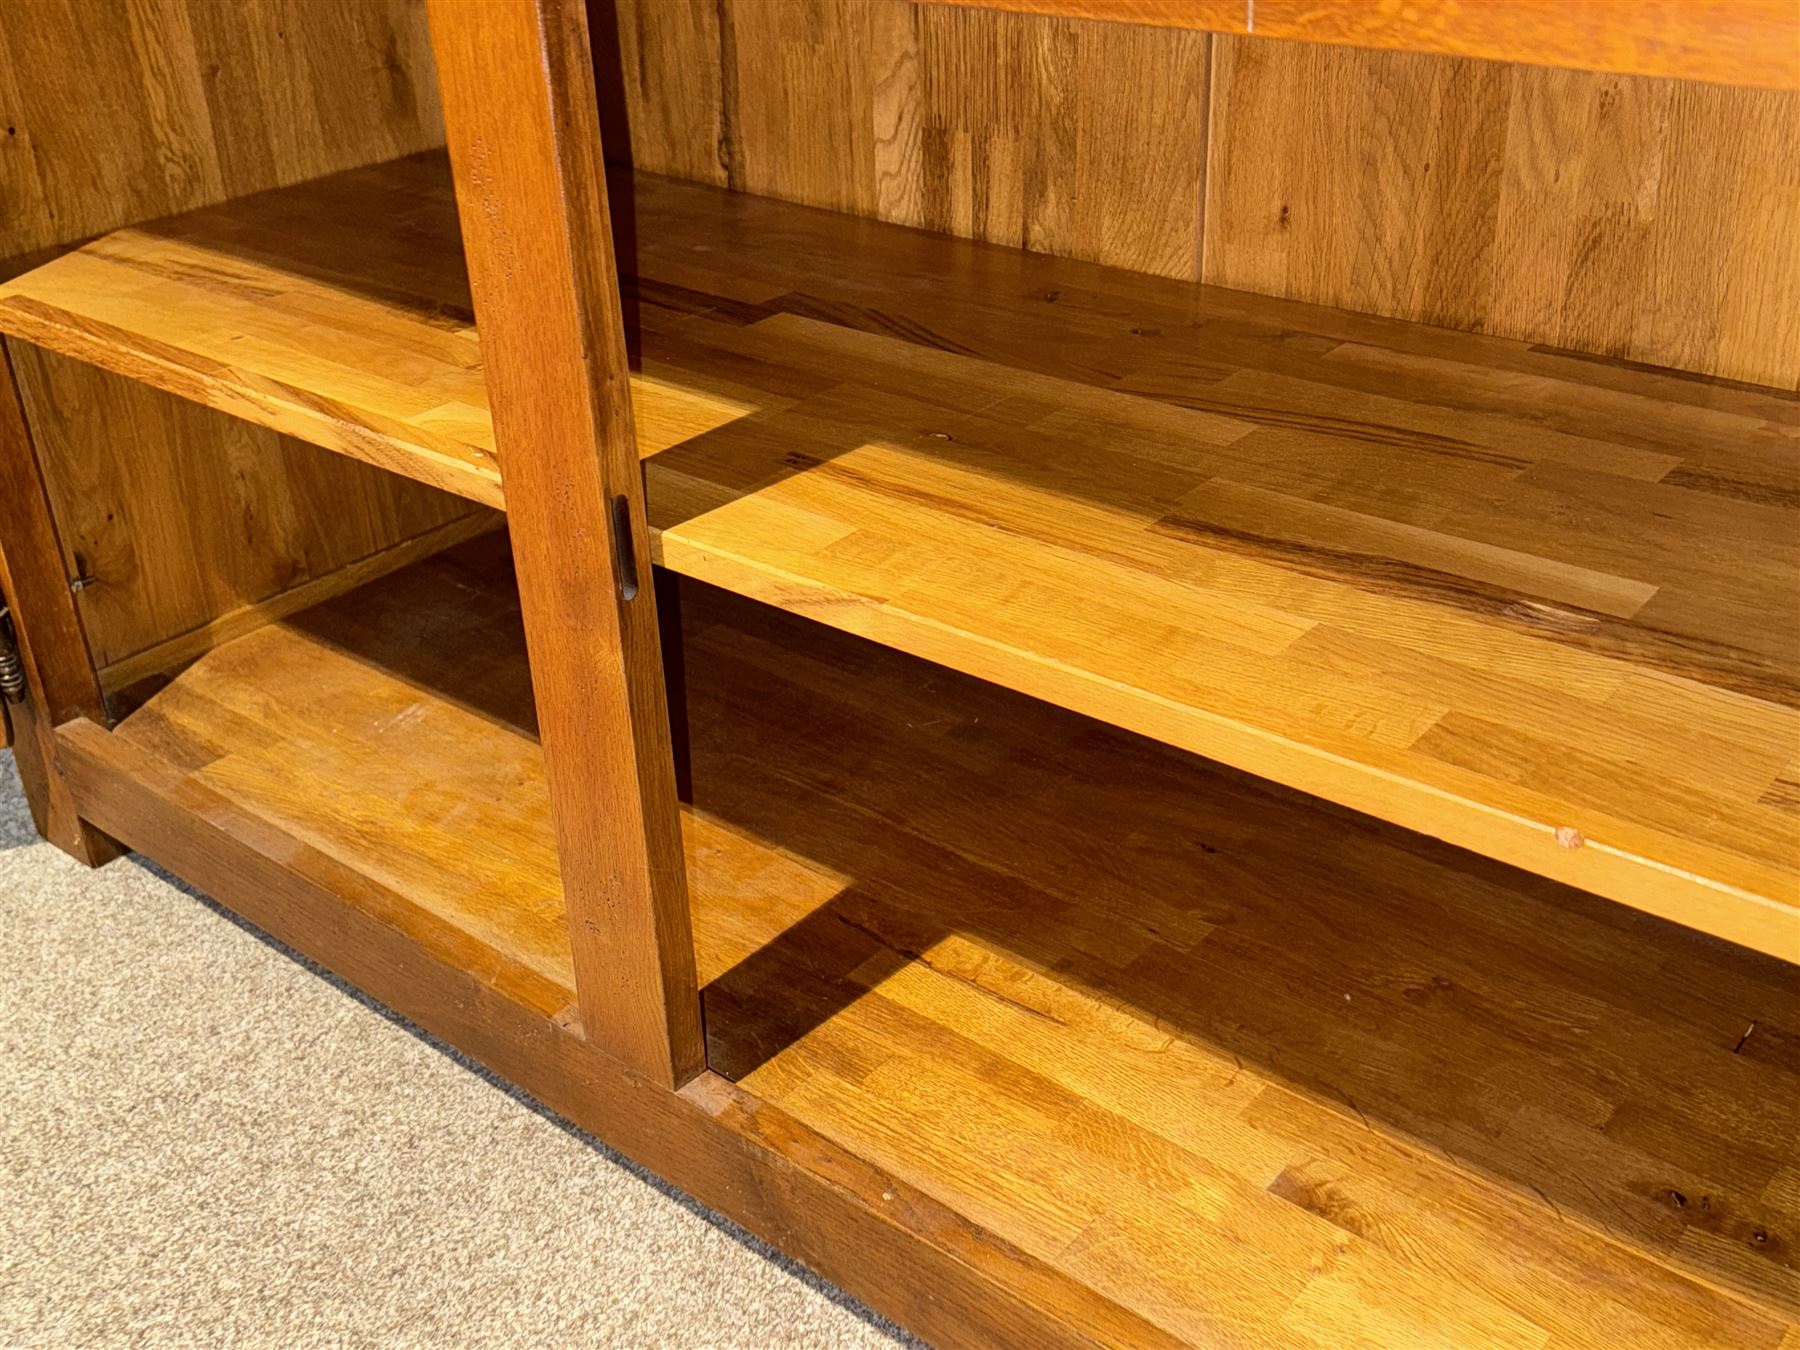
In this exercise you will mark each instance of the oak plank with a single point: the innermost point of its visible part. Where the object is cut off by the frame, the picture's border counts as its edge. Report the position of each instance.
(337, 312)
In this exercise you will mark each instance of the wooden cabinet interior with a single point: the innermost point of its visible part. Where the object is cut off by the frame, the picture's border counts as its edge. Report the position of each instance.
(1049, 991)
(1649, 219)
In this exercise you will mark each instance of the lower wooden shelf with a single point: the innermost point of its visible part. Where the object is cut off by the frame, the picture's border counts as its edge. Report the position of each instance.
(1261, 1070)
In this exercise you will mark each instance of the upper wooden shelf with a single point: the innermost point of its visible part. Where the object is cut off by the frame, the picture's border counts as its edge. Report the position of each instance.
(1747, 42)
(1543, 606)
(337, 311)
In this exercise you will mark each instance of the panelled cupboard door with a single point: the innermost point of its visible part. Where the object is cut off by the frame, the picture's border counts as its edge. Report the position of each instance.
(52, 649)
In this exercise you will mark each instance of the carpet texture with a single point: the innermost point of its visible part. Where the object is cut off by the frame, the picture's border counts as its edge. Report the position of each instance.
(206, 1142)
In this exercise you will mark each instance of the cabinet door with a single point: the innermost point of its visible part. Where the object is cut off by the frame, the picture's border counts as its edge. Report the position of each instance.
(59, 676)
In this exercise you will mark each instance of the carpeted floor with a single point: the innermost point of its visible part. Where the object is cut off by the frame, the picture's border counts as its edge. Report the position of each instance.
(206, 1142)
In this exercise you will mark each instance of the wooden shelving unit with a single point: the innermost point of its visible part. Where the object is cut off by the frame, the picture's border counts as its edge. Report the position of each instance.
(1545, 609)
(1090, 808)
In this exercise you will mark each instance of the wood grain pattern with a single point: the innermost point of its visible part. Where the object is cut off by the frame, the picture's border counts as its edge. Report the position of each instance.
(517, 83)
(1751, 42)
(1650, 220)
(1262, 1072)
(336, 312)
(171, 654)
(900, 1250)
(176, 516)
(117, 111)
(1486, 591)
(1012, 129)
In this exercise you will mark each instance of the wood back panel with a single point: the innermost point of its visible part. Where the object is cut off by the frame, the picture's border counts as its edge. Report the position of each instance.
(116, 111)
(1000, 127)
(1617, 215)
(1652, 220)
(175, 515)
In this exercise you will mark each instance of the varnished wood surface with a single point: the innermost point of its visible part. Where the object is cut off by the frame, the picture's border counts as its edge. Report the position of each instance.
(1540, 607)
(1261, 1071)
(177, 517)
(906, 1254)
(1544, 607)
(117, 111)
(175, 653)
(1620, 215)
(517, 82)
(337, 312)
(1753, 42)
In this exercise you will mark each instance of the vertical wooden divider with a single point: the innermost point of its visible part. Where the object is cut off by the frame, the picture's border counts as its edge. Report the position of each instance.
(516, 79)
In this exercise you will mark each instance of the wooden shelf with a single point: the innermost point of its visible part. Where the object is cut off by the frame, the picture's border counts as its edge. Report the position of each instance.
(1260, 1069)
(1542, 606)
(337, 311)
(392, 729)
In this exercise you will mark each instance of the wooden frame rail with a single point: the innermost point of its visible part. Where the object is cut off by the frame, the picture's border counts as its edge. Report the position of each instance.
(1743, 42)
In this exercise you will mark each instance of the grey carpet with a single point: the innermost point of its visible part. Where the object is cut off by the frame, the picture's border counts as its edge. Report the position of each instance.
(206, 1142)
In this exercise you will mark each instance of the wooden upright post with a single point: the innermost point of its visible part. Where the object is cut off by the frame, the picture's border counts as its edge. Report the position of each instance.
(519, 105)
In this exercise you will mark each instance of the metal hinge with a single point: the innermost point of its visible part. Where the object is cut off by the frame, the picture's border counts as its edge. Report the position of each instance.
(12, 669)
